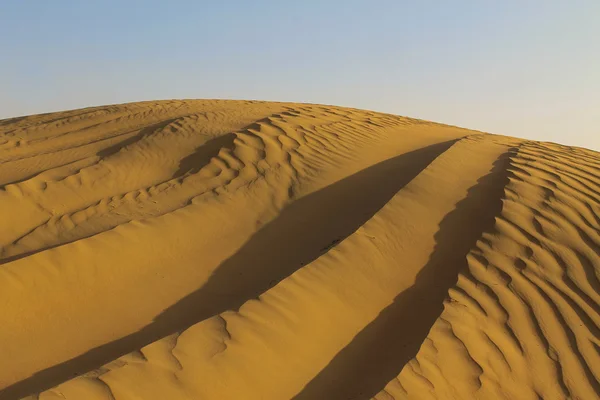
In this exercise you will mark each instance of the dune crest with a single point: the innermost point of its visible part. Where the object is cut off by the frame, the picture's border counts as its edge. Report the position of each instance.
(239, 249)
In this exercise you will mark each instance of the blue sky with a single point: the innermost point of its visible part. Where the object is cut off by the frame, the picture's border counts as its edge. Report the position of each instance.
(521, 68)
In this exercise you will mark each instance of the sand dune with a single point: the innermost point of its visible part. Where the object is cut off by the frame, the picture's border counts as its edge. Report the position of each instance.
(253, 250)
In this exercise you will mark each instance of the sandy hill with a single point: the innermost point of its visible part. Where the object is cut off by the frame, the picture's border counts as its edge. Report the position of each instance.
(253, 250)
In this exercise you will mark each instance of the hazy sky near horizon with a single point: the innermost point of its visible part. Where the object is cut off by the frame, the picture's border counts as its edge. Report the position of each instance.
(521, 68)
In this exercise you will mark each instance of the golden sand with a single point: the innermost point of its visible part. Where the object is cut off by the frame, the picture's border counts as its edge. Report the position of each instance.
(253, 250)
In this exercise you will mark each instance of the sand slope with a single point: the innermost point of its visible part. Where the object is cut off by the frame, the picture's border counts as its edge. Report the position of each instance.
(251, 250)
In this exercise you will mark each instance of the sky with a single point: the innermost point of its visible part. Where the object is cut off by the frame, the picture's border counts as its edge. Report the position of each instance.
(521, 68)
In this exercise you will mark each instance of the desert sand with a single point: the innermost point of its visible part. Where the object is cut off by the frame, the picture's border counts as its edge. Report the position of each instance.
(251, 250)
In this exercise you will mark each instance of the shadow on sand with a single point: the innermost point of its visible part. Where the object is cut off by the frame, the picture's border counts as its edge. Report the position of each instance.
(321, 219)
(380, 351)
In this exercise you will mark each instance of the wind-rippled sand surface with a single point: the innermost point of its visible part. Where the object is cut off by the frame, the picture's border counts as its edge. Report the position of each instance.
(252, 250)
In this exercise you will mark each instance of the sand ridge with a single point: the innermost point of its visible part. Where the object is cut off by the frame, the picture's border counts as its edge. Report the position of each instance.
(207, 249)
